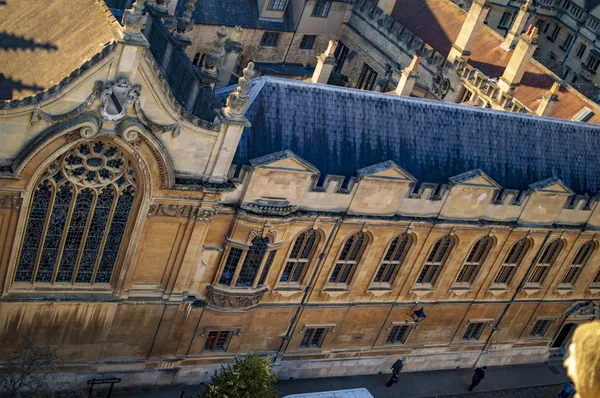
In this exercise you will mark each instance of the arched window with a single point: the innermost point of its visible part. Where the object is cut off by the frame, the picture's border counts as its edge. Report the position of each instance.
(580, 260)
(349, 258)
(393, 259)
(513, 259)
(240, 64)
(255, 265)
(78, 216)
(302, 253)
(435, 261)
(546, 260)
(474, 260)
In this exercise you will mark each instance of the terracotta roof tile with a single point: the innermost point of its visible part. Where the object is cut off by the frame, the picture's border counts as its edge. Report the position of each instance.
(438, 23)
(42, 42)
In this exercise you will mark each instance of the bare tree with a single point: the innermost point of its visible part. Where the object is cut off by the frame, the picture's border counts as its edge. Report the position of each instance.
(28, 371)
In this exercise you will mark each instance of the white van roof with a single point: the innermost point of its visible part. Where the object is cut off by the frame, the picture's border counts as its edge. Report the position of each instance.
(354, 393)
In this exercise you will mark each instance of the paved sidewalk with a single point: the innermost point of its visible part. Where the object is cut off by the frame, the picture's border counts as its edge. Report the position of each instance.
(412, 385)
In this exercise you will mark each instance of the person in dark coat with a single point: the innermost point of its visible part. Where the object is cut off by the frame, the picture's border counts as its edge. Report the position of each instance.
(396, 369)
(477, 377)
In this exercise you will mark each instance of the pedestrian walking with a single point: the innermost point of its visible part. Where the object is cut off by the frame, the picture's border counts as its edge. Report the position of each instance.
(567, 391)
(477, 377)
(396, 369)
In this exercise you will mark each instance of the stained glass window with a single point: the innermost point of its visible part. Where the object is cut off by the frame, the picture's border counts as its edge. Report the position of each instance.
(78, 216)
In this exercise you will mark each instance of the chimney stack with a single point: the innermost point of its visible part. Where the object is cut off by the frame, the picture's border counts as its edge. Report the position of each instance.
(549, 99)
(408, 78)
(512, 37)
(387, 6)
(519, 61)
(325, 64)
(469, 31)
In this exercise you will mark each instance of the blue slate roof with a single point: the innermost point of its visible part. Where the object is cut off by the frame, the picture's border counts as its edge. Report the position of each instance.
(242, 13)
(341, 130)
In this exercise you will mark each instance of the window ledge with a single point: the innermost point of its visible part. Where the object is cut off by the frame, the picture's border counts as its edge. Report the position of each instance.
(422, 290)
(564, 290)
(460, 290)
(288, 291)
(378, 291)
(498, 290)
(532, 289)
(336, 291)
(594, 289)
(234, 298)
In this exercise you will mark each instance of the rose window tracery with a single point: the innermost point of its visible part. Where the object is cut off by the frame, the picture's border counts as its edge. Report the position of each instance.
(78, 216)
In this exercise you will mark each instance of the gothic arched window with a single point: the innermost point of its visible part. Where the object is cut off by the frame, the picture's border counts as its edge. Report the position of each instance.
(78, 216)
(549, 255)
(581, 259)
(301, 255)
(511, 262)
(435, 261)
(473, 262)
(349, 258)
(394, 257)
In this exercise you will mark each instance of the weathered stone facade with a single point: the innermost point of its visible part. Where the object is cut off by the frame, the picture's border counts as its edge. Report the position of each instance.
(204, 262)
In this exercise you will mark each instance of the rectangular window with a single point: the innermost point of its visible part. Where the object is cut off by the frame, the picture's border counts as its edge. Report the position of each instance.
(398, 335)
(583, 115)
(540, 328)
(554, 34)
(321, 9)
(592, 63)
(581, 50)
(276, 5)
(505, 20)
(269, 39)
(474, 330)
(308, 41)
(466, 96)
(367, 78)
(340, 55)
(217, 340)
(567, 43)
(313, 338)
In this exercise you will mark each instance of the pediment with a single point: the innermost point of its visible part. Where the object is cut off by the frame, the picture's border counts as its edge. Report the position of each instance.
(386, 170)
(551, 185)
(475, 178)
(284, 160)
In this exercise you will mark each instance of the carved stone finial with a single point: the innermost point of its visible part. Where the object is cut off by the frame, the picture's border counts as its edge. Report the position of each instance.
(134, 21)
(184, 23)
(212, 60)
(237, 102)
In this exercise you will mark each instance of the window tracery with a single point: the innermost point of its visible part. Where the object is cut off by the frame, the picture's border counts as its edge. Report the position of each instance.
(78, 216)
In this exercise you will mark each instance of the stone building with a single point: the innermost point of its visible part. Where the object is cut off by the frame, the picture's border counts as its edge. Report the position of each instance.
(461, 59)
(567, 43)
(153, 228)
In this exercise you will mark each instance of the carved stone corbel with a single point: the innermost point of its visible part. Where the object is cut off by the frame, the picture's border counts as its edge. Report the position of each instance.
(207, 213)
(253, 233)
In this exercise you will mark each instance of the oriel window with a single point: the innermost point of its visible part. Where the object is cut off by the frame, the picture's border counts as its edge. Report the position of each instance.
(78, 217)
(248, 268)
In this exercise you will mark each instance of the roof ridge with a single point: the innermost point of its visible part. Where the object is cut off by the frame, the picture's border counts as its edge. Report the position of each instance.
(428, 102)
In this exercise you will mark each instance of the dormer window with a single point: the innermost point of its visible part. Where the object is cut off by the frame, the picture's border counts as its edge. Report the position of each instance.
(277, 5)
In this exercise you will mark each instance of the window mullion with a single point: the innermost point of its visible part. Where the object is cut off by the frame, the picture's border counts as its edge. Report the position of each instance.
(86, 230)
(238, 267)
(260, 268)
(105, 235)
(63, 238)
(44, 232)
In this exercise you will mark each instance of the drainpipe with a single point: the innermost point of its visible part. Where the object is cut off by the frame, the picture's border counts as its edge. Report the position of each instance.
(295, 31)
(285, 341)
(514, 296)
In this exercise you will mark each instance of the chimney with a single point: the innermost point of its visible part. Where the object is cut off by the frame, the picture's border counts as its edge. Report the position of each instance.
(512, 37)
(519, 61)
(408, 78)
(325, 64)
(233, 48)
(549, 99)
(469, 31)
(387, 6)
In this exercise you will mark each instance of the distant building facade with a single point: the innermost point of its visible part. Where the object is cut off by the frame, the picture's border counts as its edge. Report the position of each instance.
(154, 228)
